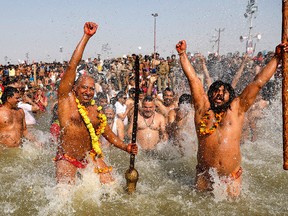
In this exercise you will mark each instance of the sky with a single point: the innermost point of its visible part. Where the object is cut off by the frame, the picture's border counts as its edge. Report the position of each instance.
(36, 29)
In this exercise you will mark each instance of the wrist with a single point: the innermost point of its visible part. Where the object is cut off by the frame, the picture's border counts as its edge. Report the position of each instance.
(129, 148)
(277, 56)
(181, 52)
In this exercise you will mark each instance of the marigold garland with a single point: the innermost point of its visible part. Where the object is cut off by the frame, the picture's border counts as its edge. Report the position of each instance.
(203, 123)
(95, 135)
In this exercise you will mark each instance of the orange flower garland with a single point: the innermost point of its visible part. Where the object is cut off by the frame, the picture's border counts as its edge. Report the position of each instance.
(95, 135)
(203, 123)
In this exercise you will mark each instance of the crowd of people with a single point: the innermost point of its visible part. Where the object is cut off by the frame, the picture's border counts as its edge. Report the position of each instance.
(94, 99)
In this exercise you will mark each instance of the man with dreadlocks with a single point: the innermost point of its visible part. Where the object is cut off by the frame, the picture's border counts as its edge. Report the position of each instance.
(219, 118)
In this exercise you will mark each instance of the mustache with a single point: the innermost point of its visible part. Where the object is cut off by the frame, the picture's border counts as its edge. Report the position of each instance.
(220, 97)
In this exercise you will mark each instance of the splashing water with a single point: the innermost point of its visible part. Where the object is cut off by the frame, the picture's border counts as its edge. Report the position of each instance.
(165, 187)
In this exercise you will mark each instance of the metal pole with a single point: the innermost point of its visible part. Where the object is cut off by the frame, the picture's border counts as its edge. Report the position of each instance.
(155, 15)
(218, 40)
(285, 84)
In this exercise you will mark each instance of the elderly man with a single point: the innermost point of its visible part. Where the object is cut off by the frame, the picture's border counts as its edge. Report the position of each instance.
(81, 121)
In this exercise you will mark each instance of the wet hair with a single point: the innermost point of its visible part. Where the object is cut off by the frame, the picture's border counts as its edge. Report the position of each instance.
(185, 99)
(168, 89)
(213, 88)
(148, 98)
(109, 106)
(8, 92)
(81, 77)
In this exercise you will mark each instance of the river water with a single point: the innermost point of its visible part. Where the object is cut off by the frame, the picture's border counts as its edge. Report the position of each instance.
(165, 186)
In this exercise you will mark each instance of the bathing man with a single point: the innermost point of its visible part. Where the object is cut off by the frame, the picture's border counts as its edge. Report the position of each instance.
(219, 117)
(150, 126)
(12, 122)
(76, 134)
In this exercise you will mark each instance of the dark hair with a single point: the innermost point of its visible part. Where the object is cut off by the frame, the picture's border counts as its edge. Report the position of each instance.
(168, 89)
(8, 92)
(120, 94)
(185, 99)
(148, 98)
(214, 87)
(101, 95)
(132, 91)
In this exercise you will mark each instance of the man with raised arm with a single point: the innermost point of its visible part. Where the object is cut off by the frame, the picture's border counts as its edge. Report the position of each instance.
(82, 122)
(219, 117)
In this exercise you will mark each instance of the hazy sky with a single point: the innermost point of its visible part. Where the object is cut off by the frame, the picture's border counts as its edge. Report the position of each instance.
(40, 27)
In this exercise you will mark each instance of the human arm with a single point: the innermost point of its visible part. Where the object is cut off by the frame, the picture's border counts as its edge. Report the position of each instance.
(195, 83)
(205, 71)
(131, 148)
(151, 82)
(239, 72)
(164, 135)
(122, 115)
(249, 94)
(171, 126)
(120, 129)
(69, 76)
(34, 106)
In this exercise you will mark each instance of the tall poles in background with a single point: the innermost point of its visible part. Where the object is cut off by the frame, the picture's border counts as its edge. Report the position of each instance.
(155, 15)
(61, 54)
(251, 10)
(218, 40)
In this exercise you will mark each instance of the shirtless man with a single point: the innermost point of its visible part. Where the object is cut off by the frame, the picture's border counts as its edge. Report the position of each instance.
(168, 102)
(219, 117)
(150, 126)
(75, 137)
(12, 122)
(180, 126)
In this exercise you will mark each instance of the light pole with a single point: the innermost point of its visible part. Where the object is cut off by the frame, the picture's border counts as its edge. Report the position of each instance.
(61, 54)
(6, 59)
(27, 57)
(154, 15)
(251, 10)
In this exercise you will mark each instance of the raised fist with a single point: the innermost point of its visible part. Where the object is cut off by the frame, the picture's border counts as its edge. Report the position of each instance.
(90, 28)
(181, 46)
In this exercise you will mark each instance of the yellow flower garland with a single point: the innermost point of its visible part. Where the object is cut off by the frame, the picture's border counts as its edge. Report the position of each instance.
(203, 123)
(95, 135)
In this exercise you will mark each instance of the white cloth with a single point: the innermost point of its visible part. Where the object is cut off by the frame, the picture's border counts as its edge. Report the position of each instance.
(27, 108)
(121, 109)
(114, 126)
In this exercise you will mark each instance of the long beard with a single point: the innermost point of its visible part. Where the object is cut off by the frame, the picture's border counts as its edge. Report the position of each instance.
(221, 108)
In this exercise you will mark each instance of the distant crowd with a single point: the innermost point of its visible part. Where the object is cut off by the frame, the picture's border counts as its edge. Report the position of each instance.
(115, 78)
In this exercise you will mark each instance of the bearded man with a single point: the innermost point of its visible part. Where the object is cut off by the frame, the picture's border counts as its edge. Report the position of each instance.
(151, 128)
(219, 118)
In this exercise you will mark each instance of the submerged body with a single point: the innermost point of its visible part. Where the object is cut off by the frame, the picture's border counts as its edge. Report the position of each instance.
(12, 126)
(76, 113)
(219, 118)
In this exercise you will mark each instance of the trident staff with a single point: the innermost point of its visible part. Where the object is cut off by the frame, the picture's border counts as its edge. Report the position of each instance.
(131, 174)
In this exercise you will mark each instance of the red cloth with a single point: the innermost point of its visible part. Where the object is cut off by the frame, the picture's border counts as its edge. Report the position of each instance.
(55, 129)
(79, 164)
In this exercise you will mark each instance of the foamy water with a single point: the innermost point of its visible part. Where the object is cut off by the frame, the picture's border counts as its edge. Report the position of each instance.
(165, 186)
